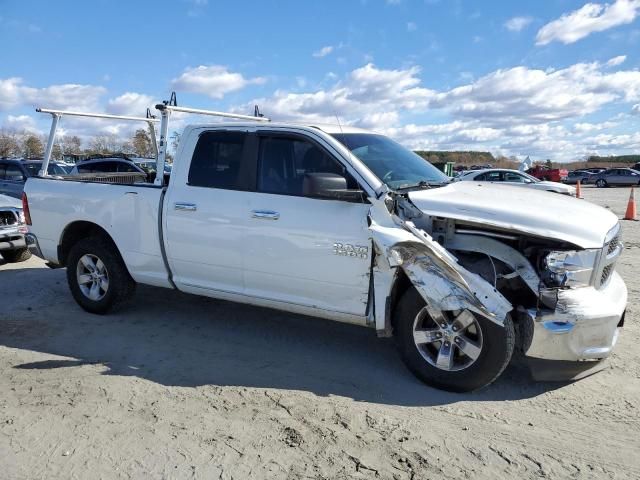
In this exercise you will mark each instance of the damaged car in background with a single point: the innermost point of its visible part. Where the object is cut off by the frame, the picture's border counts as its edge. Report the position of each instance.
(348, 225)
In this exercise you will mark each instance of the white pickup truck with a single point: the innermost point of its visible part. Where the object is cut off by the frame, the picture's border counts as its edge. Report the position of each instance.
(348, 225)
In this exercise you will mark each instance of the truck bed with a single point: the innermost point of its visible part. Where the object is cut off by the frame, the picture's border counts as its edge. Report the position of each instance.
(128, 213)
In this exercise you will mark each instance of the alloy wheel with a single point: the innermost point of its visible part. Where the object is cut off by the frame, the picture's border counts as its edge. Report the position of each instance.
(93, 277)
(449, 341)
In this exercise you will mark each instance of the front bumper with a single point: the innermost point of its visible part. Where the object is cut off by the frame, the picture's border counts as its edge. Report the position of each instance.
(34, 246)
(11, 239)
(583, 328)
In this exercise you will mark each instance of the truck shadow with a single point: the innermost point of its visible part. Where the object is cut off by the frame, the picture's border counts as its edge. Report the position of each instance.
(176, 339)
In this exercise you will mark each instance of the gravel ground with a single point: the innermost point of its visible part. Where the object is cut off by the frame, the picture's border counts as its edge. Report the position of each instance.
(177, 386)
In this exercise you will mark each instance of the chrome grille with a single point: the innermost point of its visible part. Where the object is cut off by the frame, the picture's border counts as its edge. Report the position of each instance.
(613, 244)
(606, 272)
(611, 250)
(8, 218)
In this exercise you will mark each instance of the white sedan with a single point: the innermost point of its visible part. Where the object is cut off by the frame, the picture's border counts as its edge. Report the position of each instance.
(514, 177)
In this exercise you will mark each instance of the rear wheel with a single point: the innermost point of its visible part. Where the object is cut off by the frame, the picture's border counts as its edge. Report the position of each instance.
(97, 276)
(16, 256)
(600, 183)
(458, 351)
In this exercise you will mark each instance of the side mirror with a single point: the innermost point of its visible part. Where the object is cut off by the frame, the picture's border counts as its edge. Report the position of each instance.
(329, 186)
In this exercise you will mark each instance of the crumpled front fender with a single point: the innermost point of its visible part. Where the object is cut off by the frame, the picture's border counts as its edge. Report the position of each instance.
(439, 278)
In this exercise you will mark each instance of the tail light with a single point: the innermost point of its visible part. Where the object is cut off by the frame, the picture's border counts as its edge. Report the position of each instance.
(25, 209)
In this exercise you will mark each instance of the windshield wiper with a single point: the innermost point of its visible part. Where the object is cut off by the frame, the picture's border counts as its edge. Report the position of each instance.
(422, 184)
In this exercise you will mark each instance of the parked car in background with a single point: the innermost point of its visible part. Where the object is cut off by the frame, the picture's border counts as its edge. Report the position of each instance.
(107, 165)
(618, 176)
(13, 246)
(119, 166)
(542, 172)
(580, 175)
(14, 173)
(593, 170)
(149, 166)
(514, 177)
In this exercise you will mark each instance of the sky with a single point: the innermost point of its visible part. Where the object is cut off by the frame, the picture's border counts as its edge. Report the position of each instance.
(555, 79)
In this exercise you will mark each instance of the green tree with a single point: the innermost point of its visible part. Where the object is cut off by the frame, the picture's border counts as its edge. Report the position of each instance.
(141, 143)
(9, 145)
(32, 147)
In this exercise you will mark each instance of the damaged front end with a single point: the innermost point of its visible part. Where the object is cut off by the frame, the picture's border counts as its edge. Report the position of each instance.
(567, 303)
(444, 284)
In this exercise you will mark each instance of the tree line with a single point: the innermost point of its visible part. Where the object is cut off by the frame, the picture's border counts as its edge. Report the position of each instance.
(31, 145)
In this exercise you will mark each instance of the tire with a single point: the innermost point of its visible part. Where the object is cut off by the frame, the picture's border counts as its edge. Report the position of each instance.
(600, 183)
(496, 344)
(16, 256)
(119, 286)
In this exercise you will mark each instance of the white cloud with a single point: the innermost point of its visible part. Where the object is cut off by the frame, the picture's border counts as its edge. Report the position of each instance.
(593, 127)
(212, 80)
(20, 122)
(323, 52)
(14, 93)
(362, 95)
(592, 17)
(516, 111)
(411, 26)
(516, 24)
(130, 103)
(521, 94)
(636, 109)
(616, 61)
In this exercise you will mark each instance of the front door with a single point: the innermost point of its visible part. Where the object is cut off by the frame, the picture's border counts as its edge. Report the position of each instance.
(303, 250)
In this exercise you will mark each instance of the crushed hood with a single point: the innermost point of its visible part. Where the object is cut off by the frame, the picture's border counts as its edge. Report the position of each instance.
(524, 210)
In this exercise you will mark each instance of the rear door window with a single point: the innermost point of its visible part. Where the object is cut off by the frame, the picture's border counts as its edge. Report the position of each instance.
(217, 161)
(513, 177)
(14, 174)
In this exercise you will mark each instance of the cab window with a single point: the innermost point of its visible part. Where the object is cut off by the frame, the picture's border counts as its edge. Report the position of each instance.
(284, 162)
(217, 161)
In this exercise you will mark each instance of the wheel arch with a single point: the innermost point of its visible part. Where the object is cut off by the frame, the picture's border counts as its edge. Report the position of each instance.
(78, 230)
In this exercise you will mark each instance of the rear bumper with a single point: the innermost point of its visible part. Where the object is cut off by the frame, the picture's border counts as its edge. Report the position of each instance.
(582, 330)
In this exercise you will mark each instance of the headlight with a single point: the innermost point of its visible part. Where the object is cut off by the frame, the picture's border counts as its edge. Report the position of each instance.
(569, 269)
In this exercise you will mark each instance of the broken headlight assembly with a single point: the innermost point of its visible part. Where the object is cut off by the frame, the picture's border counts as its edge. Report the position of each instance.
(569, 269)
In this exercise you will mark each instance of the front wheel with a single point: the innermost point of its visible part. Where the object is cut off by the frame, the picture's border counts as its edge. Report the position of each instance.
(97, 276)
(600, 183)
(458, 351)
(16, 256)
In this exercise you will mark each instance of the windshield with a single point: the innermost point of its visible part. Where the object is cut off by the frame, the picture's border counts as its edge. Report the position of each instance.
(54, 169)
(393, 164)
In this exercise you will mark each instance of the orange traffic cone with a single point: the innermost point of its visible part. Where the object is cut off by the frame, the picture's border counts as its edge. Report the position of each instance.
(631, 207)
(578, 192)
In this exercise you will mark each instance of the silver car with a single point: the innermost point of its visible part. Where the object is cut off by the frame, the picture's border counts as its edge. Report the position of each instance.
(515, 178)
(618, 176)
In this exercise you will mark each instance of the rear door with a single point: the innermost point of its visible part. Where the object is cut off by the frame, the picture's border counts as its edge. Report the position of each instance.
(303, 250)
(206, 212)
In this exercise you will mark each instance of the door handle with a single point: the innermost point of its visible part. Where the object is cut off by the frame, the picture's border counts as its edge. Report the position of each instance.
(188, 207)
(265, 214)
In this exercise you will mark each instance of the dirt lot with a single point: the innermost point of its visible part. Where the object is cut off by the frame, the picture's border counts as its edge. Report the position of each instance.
(186, 387)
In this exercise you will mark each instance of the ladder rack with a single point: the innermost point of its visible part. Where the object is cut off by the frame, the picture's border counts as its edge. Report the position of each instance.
(160, 148)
